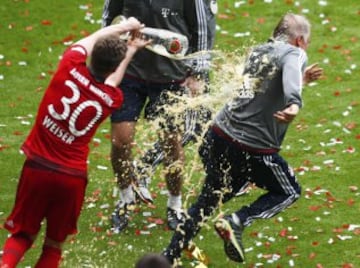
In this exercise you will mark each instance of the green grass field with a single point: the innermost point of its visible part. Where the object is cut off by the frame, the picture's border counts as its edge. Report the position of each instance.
(322, 229)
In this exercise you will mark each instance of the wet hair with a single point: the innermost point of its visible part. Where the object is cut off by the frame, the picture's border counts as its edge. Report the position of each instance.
(292, 26)
(107, 54)
(152, 260)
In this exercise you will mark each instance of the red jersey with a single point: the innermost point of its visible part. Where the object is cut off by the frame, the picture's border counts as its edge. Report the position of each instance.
(71, 110)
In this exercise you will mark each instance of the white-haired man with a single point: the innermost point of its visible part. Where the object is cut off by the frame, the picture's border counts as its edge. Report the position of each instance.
(244, 140)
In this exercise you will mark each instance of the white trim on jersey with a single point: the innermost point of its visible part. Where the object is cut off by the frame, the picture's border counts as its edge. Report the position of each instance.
(282, 179)
(202, 62)
(301, 61)
(79, 49)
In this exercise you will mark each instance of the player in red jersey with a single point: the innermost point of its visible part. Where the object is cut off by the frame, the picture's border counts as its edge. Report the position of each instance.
(54, 176)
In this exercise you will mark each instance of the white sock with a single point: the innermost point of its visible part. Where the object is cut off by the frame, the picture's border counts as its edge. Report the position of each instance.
(174, 202)
(127, 195)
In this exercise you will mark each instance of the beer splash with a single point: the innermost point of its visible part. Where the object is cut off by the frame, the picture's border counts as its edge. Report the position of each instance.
(227, 82)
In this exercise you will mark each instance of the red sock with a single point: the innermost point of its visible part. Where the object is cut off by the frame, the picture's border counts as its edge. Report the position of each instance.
(14, 249)
(50, 258)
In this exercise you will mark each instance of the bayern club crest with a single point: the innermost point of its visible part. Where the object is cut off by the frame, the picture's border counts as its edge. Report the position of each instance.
(174, 46)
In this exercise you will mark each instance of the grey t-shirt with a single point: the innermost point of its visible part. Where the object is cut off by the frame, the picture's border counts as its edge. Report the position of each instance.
(276, 69)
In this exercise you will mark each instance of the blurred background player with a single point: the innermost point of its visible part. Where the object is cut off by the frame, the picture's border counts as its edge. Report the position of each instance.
(147, 81)
(54, 176)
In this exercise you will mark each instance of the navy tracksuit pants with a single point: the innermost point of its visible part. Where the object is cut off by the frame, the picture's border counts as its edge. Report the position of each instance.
(228, 168)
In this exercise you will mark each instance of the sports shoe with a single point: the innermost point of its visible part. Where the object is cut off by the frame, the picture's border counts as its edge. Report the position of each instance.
(120, 216)
(174, 217)
(231, 234)
(142, 192)
(141, 183)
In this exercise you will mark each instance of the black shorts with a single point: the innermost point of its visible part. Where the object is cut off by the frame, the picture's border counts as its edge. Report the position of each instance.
(139, 95)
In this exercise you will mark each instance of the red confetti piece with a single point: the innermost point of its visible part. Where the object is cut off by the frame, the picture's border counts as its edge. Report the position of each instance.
(112, 243)
(84, 33)
(283, 232)
(96, 144)
(346, 52)
(159, 221)
(338, 230)
(350, 125)
(46, 22)
(315, 243)
(350, 150)
(289, 250)
(68, 38)
(151, 206)
(17, 133)
(254, 234)
(95, 229)
(161, 185)
(353, 39)
(267, 244)
(137, 209)
(351, 202)
(260, 20)
(100, 214)
(3, 147)
(314, 208)
(354, 103)
(225, 16)
(330, 197)
(309, 193)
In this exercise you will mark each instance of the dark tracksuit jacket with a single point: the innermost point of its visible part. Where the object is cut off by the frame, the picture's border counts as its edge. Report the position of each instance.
(192, 18)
